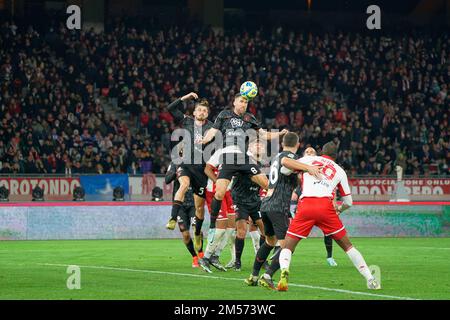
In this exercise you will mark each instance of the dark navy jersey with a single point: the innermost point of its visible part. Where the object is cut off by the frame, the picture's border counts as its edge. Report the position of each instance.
(235, 129)
(192, 147)
(244, 190)
(282, 183)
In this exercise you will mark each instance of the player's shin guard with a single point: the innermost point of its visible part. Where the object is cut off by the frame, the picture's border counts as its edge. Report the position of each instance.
(285, 259)
(261, 257)
(359, 263)
(176, 206)
(328, 245)
(255, 240)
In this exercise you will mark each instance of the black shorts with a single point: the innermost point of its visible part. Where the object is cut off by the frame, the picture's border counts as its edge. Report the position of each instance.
(197, 176)
(243, 211)
(275, 223)
(185, 218)
(227, 171)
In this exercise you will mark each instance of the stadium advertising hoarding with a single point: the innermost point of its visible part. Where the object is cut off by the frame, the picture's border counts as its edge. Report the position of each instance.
(143, 220)
(415, 189)
(141, 187)
(56, 188)
(101, 187)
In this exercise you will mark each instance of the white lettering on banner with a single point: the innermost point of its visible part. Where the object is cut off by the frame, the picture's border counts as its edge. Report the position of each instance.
(415, 187)
(24, 188)
(51, 186)
(14, 188)
(54, 186)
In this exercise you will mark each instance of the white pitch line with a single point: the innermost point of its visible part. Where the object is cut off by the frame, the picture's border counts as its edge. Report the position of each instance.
(234, 279)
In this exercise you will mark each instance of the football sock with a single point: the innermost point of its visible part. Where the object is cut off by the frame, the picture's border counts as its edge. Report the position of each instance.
(262, 239)
(328, 245)
(190, 247)
(223, 242)
(176, 206)
(232, 238)
(261, 257)
(201, 248)
(285, 258)
(198, 225)
(239, 248)
(214, 243)
(275, 264)
(359, 263)
(255, 239)
(215, 209)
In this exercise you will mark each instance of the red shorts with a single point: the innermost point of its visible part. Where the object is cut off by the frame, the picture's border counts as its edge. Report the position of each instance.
(318, 212)
(227, 207)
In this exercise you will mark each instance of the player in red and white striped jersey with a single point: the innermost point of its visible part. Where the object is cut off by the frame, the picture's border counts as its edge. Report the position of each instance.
(316, 208)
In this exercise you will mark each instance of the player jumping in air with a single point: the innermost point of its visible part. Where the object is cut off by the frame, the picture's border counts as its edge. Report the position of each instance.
(217, 238)
(247, 201)
(275, 207)
(316, 208)
(191, 171)
(238, 127)
(185, 214)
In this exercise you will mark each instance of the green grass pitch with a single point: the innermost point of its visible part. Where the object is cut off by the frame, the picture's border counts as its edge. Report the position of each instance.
(415, 268)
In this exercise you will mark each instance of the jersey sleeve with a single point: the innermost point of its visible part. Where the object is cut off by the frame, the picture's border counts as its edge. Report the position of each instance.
(214, 161)
(343, 186)
(219, 121)
(174, 109)
(284, 170)
(250, 118)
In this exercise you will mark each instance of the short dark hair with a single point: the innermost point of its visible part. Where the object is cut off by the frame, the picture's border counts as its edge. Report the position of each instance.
(330, 149)
(238, 95)
(290, 139)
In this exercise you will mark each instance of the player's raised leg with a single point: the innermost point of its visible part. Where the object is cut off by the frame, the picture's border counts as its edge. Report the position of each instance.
(178, 200)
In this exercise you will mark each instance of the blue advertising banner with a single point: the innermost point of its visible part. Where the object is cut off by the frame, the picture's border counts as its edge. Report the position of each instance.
(103, 185)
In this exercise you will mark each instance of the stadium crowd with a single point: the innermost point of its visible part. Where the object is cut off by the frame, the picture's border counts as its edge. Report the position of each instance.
(383, 98)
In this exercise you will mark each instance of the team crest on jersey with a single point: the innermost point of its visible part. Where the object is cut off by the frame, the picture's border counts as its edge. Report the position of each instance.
(236, 123)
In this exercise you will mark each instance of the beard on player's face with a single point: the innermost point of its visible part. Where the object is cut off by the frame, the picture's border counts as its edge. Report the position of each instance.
(200, 115)
(240, 105)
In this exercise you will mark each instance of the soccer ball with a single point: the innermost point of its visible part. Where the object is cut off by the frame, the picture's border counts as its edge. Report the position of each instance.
(249, 90)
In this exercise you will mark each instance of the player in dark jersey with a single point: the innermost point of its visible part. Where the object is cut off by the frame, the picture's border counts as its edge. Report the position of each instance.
(246, 200)
(275, 207)
(186, 213)
(238, 127)
(191, 171)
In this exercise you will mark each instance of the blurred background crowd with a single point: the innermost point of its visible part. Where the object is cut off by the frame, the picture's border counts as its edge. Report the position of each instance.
(85, 102)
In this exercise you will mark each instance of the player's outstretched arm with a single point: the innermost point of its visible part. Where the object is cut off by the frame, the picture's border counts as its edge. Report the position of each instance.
(266, 135)
(298, 166)
(210, 134)
(347, 202)
(174, 106)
